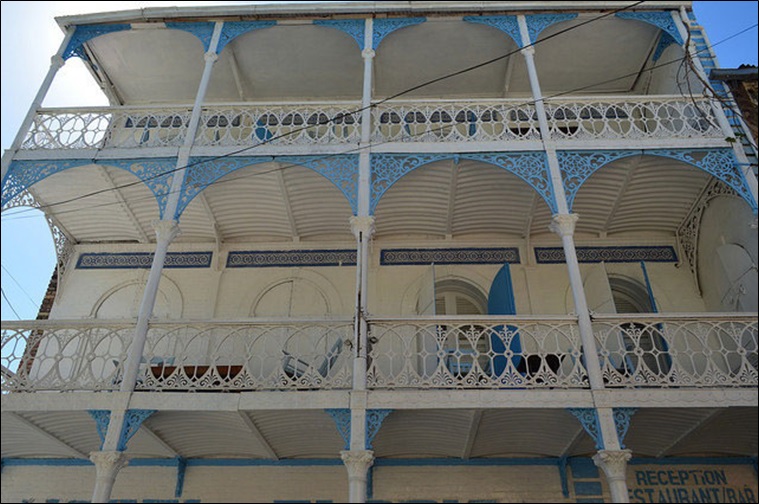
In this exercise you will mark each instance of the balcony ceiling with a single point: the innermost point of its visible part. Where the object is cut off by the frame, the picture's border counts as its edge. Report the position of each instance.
(299, 61)
(639, 196)
(531, 433)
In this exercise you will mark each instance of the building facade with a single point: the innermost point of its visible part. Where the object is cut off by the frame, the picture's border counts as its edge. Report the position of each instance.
(390, 252)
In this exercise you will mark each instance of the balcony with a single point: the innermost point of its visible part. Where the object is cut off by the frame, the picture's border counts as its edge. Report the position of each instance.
(488, 352)
(477, 124)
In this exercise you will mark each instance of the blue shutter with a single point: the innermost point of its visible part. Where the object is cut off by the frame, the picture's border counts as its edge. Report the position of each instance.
(501, 302)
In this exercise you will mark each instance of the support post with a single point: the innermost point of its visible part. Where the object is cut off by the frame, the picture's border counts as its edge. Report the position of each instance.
(363, 229)
(614, 465)
(357, 462)
(107, 466)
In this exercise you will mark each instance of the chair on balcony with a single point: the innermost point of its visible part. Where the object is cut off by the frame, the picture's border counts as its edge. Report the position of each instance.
(296, 368)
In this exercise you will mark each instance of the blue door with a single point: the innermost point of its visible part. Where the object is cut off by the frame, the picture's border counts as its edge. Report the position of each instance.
(501, 302)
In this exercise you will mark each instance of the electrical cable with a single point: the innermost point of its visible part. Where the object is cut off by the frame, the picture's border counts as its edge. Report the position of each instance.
(20, 286)
(9, 303)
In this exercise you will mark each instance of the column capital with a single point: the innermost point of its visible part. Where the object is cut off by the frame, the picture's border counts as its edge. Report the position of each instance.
(613, 463)
(211, 56)
(564, 224)
(109, 462)
(368, 53)
(362, 224)
(357, 462)
(528, 51)
(57, 61)
(166, 230)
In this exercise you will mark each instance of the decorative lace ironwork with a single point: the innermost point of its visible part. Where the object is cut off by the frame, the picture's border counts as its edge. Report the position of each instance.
(578, 166)
(204, 31)
(384, 27)
(24, 174)
(374, 419)
(507, 24)
(353, 27)
(84, 33)
(132, 421)
(341, 170)
(233, 29)
(532, 167)
(536, 23)
(342, 418)
(664, 41)
(661, 19)
(102, 419)
(156, 173)
(622, 422)
(588, 417)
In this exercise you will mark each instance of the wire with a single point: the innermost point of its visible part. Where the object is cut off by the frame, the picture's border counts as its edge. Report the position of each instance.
(9, 303)
(343, 115)
(20, 286)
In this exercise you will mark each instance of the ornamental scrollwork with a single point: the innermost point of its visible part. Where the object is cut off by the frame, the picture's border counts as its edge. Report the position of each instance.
(661, 19)
(353, 27)
(84, 33)
(233, 29)
(384, 27)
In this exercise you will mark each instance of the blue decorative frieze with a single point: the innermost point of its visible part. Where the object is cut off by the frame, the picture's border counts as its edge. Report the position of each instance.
(143, 260)
(156, 173)
(661, 19)
(204, 31)
(622, 422)
(664, 41)
(233, 29)
(384, 27)
(374, 419)
(397, 257)
(507, 24)
(342, 418)
(22, 175)
(555, 255)
(84, 33)
(536, 23)
(102, 419)
(353, 27)
(588, 417)
(532, 167)
(291, 258)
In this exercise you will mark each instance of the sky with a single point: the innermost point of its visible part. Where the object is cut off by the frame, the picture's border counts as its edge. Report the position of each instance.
(30, 36)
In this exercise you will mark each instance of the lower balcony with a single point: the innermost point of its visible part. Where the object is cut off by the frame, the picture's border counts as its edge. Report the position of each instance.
(451, 352)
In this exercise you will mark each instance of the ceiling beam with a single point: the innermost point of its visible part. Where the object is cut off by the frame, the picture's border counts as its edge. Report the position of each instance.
(474, 426)
(124, 205)
(623, 188)
(573, 442)
(286, 202)
(452, 197)
(158, 439)
(253, 428)
(39, 430)
(236, 72)
(528, 218)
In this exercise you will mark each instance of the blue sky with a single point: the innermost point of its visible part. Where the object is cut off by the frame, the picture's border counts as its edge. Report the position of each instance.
(30, 36)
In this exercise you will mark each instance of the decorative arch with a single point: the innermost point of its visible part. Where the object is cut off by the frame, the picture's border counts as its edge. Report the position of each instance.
(385, 26)
(85, 33)
(531, 167)
(172, 295)
(318, 282)
(352, 27)
(662, 20)
(203, 31)
(233, 29)
(155, 173)
(509, 25)
(341, 170)
(578, 166)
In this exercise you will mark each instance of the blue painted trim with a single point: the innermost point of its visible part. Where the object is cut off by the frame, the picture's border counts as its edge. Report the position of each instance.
(555, 255)
(342, 418)
(181, 470)
(370, 483)
(102, 419)
(443, 462)
(536, 23)
(563, 477)
(385, 26)
(263, 462)
(622, 422)
(291, 258)
(651, 298)
(233, 29)
(417, 256)
(583, 468)
(353, 27)
(203, 31)
(660, 19)
(85, 33)
(142, 260)
(586, 488)
(501, 302)
(665, 40)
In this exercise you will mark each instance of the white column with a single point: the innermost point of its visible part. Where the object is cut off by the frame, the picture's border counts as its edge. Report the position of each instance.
(56, 62)
(614, 465)
(363, 229)
(679, 19)
(358, 463)
(107, 466)
(563, 222)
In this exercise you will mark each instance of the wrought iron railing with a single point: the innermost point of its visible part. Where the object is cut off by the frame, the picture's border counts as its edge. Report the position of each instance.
(422, 121)
(485, 352)
(245, 355)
